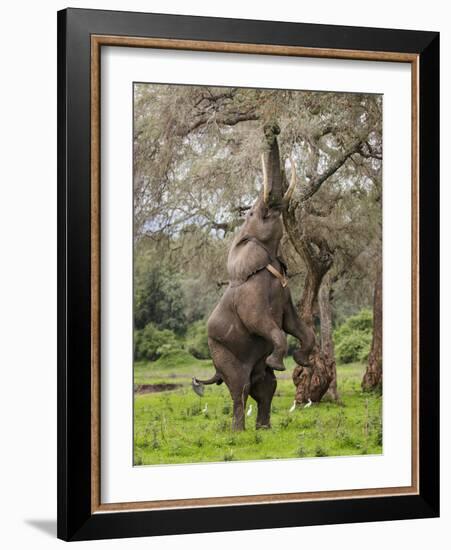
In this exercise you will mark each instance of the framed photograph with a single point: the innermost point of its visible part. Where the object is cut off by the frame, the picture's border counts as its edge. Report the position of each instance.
(248, 274)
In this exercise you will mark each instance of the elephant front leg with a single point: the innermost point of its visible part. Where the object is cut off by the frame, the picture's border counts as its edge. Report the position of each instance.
(279, 340)
(267, 329)
(257, 319)
(295, 326)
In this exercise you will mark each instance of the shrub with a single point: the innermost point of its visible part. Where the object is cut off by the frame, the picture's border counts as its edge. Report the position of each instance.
(173, 358)
(353, 338)
(353, 347)
(150, 343)
(197, 340)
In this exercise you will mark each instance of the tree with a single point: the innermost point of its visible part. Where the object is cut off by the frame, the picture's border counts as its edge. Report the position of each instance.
(372, 379)
(327, 342)
(159, 300)
(347, 166)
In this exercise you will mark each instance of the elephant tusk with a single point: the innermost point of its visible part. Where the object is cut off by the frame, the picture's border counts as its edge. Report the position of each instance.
(290, 190)
(265, 181)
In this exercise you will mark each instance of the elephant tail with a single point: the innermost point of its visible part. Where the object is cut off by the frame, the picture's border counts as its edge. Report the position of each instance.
(198, 385)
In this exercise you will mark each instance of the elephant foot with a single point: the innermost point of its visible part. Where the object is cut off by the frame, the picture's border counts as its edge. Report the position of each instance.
(238, 424)
(275, 363)
(301, 358)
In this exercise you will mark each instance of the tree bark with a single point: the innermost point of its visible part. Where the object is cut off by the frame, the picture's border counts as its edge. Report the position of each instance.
(372, 379)
(312, 380)
(327, 343)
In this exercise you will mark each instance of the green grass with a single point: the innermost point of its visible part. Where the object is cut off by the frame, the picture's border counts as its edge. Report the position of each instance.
(170, 427)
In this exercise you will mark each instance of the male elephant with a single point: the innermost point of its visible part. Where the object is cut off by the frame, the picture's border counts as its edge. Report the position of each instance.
(246, 331)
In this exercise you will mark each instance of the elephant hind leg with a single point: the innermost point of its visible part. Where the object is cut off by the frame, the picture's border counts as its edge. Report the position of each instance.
(239, 399)
(262, 390)
(236, 376)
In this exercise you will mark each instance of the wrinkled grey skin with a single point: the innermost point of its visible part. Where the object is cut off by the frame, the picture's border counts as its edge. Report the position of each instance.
(246, 331)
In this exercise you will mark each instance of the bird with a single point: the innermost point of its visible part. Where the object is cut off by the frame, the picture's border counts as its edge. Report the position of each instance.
(249, 410)
(309, 404)
(293, 406)
(205, 409)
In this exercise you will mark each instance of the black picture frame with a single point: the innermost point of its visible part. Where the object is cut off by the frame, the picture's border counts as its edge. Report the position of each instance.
(75, 518)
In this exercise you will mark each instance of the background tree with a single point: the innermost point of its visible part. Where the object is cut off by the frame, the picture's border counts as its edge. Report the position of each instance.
(197, 170)
(372, 379)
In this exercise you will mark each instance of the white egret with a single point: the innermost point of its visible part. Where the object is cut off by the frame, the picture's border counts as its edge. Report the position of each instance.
(309, 404)
(205, 409)
(249, 410)
(293, 406)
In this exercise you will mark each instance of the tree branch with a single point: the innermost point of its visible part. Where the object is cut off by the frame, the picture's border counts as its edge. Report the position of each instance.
(226, 119)
(316, 182)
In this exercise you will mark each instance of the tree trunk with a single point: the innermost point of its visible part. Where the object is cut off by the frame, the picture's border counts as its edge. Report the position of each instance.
(327, 343)
(372, 379)
(312, 381)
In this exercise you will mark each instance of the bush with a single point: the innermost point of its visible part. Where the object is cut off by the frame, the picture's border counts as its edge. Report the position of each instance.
(362, 321)
(150, 343)
(353, 338)
(174, 358)
(159, 298)
(353, 347)
(197, 340)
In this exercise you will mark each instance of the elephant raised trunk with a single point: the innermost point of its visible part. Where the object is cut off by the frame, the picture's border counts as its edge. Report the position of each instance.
(273, 175)
(271, 196)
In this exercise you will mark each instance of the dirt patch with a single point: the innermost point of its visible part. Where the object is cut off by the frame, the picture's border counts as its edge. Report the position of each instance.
(155, 388)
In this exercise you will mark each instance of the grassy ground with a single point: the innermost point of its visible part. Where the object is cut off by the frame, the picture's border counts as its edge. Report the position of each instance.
(173, 426)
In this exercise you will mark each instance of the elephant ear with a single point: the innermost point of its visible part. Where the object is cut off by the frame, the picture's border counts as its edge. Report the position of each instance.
(245, 259)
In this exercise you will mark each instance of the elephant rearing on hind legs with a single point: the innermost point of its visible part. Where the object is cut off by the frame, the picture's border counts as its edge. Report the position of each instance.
(246, 331)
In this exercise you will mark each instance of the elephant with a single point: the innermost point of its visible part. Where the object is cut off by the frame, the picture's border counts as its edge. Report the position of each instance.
(247, 329)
